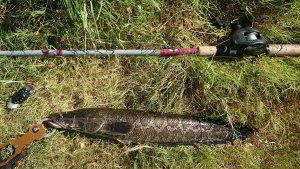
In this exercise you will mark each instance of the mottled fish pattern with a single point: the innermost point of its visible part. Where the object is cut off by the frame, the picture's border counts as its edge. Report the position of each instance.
(143, 127)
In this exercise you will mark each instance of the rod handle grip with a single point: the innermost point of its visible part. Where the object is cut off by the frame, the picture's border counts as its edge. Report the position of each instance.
(207, 50)
(284, 50)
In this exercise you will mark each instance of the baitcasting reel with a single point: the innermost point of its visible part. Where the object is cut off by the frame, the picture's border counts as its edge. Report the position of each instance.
(245, 40)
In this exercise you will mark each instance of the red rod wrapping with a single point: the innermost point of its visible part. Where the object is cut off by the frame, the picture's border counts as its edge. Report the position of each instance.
(46, 52)
(59, 52)
(178, 51)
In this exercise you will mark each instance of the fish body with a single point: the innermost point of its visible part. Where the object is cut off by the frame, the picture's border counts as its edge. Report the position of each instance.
(142, 127)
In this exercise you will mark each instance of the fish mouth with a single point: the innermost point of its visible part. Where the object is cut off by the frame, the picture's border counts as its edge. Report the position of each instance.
(53, 124)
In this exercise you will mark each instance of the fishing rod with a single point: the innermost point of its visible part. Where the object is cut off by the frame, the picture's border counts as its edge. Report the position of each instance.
(203, 51)
(244, 41)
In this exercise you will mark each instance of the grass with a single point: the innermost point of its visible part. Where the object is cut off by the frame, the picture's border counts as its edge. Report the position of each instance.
(261, 92)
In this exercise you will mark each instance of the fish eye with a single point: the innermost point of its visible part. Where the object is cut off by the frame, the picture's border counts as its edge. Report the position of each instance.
(58, 116)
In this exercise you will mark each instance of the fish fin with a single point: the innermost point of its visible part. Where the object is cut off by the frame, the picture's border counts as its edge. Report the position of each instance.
(118, 128)
(241, 133)
(206, 142)
(124, 141)
(211, 142)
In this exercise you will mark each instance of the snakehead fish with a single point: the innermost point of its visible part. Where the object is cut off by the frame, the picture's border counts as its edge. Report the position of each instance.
(136, 126)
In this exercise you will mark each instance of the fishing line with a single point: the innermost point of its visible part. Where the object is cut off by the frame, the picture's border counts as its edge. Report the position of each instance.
(8, 69)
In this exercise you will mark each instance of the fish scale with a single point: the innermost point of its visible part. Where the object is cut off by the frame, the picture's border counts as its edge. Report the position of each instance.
(145, 127)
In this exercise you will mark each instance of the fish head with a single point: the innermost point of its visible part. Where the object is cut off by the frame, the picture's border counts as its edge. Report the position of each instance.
(79, 121)
(58, 121)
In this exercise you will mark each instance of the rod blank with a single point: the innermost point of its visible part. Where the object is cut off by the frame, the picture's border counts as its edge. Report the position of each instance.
(61, 52)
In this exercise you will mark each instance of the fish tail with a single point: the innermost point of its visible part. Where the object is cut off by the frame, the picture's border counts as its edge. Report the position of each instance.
(241, 133)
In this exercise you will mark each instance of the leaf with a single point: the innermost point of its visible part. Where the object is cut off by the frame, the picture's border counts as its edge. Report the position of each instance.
(51, 64)
(9, 81)
(156, 5)
(83, 15)
(129, 10)
(36, 13)
(37, 33)
(257, 74)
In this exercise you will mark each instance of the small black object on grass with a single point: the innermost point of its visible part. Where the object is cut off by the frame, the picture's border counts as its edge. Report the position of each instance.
(19, 97)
